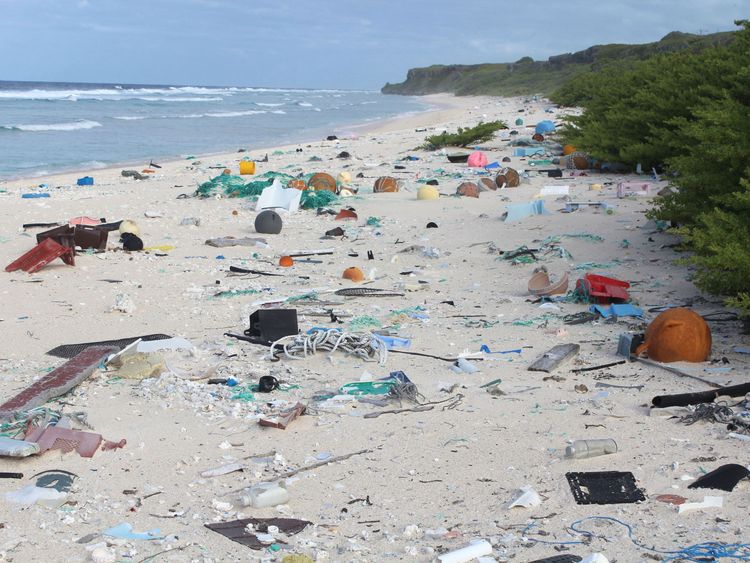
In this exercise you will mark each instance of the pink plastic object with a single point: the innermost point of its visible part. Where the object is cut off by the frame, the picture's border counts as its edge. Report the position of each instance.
(41, 255)
(65, 439)
(635, 188)
(601, 289)
(83, 220)
(477, 159)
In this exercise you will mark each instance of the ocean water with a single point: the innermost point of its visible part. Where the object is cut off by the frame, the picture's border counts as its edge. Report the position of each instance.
(48, 127)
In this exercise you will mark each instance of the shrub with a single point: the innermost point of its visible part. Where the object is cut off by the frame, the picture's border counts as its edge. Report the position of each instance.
(465, 136)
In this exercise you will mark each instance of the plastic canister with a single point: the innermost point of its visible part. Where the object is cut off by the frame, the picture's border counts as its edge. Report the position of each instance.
(247, 167)
(263, 495)
(581, 449)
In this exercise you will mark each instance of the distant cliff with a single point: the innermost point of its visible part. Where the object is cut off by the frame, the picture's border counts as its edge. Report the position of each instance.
(527, 76)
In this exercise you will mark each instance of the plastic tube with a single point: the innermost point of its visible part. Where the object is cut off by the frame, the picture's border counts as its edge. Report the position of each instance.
(471, 551)
(685, 399)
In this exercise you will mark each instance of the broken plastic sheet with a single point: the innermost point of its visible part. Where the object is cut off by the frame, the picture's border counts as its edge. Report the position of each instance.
(517, 211)
(125, 531)
(277, 196)
(617, 310)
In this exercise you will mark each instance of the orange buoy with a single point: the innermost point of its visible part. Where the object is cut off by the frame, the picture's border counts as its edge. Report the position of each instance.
(485, 184)
(297, 184)
(385, 184)
(286, 261)
(354, 274)
(468, 189)
(675, 335)
(568, 149)
(322, 181)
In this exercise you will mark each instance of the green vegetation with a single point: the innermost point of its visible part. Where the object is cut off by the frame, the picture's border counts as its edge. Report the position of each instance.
(690, 114)
(526, 76)
(465, 136)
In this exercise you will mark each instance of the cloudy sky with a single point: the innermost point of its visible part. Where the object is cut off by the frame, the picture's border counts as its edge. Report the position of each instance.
(318, 43)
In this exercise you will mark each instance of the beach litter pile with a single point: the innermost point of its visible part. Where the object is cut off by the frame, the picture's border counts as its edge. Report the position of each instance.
(352, 350)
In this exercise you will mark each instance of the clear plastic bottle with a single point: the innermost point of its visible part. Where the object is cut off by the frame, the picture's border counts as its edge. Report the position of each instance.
(581, 449)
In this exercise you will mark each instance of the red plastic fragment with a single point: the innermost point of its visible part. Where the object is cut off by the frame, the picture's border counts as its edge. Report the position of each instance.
(601, 289)
(65, 439)
(109, 445)
(41, 255)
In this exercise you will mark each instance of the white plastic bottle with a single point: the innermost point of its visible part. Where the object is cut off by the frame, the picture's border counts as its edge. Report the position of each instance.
(264, 495)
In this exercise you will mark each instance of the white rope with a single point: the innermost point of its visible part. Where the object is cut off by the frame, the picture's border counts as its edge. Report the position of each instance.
(363, 345)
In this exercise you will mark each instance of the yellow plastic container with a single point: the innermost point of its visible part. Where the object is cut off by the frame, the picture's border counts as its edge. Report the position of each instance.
(247, 167)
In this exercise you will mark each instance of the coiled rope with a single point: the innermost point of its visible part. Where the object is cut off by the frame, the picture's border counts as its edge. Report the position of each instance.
(362, 345)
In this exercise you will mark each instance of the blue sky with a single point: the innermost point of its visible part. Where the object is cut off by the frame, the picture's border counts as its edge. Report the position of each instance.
(318, 43)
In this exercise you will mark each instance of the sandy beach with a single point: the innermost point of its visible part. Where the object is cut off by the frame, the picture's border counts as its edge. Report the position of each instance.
(424, 481)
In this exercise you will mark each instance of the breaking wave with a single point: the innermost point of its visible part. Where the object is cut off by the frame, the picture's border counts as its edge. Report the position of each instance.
(74, 126)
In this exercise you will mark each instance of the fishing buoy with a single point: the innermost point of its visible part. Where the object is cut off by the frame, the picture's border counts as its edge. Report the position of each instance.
(268, 222)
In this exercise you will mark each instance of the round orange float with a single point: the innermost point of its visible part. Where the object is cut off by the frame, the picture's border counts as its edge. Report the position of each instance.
(322, 181)
(286, 261)
(487, 184)
(354, 274)
(568, 149)
(297, 184)
(468, 189)
(385, 184)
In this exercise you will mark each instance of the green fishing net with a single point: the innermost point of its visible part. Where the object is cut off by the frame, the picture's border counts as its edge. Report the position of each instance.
(235, 186)
(314, 199)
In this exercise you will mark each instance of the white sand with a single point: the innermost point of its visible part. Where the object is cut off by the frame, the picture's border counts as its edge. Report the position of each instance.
(454, 469)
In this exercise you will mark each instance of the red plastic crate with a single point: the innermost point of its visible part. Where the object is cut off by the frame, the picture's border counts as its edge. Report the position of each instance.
(41, 255)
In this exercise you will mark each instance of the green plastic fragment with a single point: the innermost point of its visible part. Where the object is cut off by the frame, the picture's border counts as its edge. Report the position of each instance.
(367, 387)
(363, 322)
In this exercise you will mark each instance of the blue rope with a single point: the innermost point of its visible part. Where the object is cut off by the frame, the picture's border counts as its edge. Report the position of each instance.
(699, 552)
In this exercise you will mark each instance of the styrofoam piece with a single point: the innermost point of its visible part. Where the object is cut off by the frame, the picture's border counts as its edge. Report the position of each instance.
(277, 196)
(555, 190)
(175, 343)
(708, 502)
(475, 549)
(526, 497)
(595, 558)
(10, 447)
